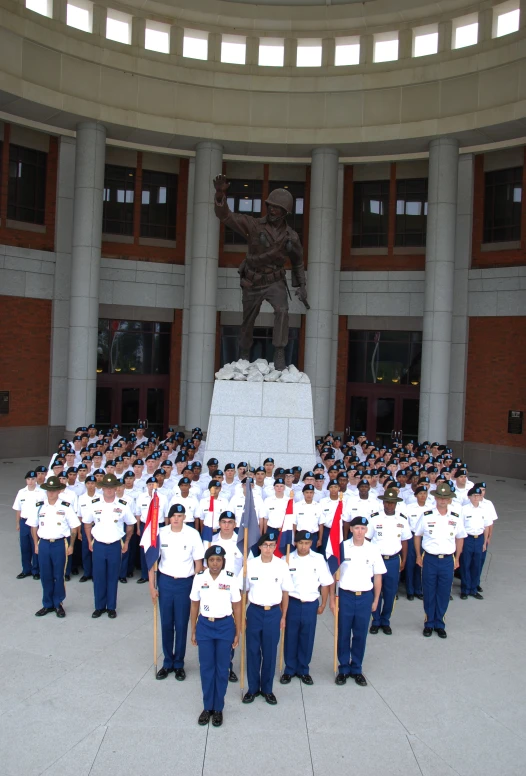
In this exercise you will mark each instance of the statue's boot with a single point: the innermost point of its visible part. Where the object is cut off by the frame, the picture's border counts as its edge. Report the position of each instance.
(279, 359)
(244, 354)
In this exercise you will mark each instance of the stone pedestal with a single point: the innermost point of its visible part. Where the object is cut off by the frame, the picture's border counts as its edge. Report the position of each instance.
(250, 421)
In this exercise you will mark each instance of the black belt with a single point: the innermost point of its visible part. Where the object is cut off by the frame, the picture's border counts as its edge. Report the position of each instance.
(476, 536)
(355, 592)
(54, 540)
(439, 556)
(299, 600)
(388, 557)
(266, 608)
(213, 619)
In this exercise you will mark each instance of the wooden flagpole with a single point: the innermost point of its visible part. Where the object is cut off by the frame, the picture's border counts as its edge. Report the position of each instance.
(155, 607)
(243, 613)
(287, 558)
(337, 606)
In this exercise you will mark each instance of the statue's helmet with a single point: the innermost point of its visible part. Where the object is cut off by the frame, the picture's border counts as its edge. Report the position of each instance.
(281, 198)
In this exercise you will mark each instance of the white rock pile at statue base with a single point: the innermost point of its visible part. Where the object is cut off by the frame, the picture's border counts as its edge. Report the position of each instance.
(260, 371)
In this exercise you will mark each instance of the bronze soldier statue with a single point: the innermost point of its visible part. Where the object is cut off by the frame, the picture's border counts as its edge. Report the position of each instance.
(270, 242)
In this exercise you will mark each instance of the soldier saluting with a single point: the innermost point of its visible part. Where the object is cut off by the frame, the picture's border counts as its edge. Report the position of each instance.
(270, 243)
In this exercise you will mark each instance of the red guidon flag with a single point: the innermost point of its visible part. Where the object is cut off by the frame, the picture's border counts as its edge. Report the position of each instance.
(150, 538)
(285, 532)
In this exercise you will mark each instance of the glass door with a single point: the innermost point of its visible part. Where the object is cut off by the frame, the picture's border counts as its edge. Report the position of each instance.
(385, 419)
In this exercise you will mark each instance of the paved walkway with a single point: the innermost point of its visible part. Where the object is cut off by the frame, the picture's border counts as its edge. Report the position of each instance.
(78, 697)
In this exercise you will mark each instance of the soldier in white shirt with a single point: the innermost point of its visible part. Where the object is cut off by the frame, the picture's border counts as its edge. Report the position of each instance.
(389, 531)
(272, 512)
(229, 484)
(84, 508)
(310, 576)
(210, 507)
(268, 465)
(477, 523)
(413, 572)
(181, 556)
(142, 505)
(216, 623)
(189, 501)
(440, 535)
(24, 506)
(237, 503)
(269, 584)
(360, 586)
(107, 522)
(364, 505)
(308, 515)
(54, 529)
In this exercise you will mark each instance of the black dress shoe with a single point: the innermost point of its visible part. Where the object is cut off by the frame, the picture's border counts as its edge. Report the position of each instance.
(427, 632)
(217, 718)
(248, 697)
(270, 698)
(441, 633)
(22, 575)
(463, 597)
(129, 574)
(340, 679)
(387, 630)
(98, 613)
(123, 580)
(307, 679)
(67, 578)
(36, 576)
(479, 589)
(419, 596)
(204, 718)
(112, 614)
(60, 611)
(285, 679)
(141, 581)
(359, 679)
(74, 572)
(450, 597)
(45, 610)
(180, 674)
(374, 629)
(163, 673)
(84, 578)
(477, 596)
(410, 597)
(232, 676)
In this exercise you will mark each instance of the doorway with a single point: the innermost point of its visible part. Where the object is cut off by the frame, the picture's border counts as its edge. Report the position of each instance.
(128, 401)
(384, 415)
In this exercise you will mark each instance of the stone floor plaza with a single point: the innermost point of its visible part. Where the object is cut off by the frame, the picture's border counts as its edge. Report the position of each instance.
(78, 697)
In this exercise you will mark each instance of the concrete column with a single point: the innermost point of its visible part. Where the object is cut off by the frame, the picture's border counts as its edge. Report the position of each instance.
(522, 22)
(322, 245)
(290, 52)
(445, 39)
(85, 271)
(252, 54)
(60, 11)
(214, 47)
(460, 329)
(176, 40)
(438, 290)
(61, 291)
(336, 299)
(186, 302)
(100, 17)
(328, 49)
(366, 49)
(405, 43)
(138, 33)
(485, 18)
(203, 287)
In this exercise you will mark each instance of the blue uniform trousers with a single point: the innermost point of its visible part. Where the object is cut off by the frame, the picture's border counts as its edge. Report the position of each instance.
(413, 572)
(27, 549)
(471, 564)
(353, 623)
(262, 636)
(132, 552)
(106, 569)
(52, 559)
(174, 606)
(437, 578)
(299, 635)
(382, 615)
(87, 562)
(214, 642)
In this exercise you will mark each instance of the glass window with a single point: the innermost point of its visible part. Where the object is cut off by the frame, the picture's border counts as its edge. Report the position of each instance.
(297, 189)
(79, 14)
(243, 196)
(118, 26)
(233, 49)
(411, 212)
(425, 40)
(158, 205)
(385, 47)
(119, 192)
(44, 7)
(26, 194)
(308, 52)
(133, 347)
(157, 37)
(502, 205)
(465, 31)
(507, 21)
(195, 44)
(347, 51)
(262, 347)
(271, 52)
(370, 214)
(385, 357)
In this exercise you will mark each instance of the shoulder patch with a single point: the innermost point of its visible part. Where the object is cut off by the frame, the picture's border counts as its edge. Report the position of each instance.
(374, 514)
(201, 572)
(455, 514)
(122, 501)
(402, 515)
(429, 512)
(94, 500)
(65, 503)
(39, 503)
(230, 573)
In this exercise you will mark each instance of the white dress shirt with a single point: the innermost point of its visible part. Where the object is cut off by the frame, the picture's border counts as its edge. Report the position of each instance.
(307, 517)
(476, 519)
(439, 532)
(108, 519)
(388, 532)
(234, 556)
(215, 596)
(190, 504)
(25, 501)
(179, 550)
(308, 573)
(53, 522)
(142, 505)
(266, 582)
(366, 561)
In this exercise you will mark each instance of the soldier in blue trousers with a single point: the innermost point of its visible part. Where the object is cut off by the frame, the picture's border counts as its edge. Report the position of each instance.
(216, 622)
(361, 572)
(24, 506)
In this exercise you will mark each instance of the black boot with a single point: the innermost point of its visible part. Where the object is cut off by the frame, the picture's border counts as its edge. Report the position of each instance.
(279, 359)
